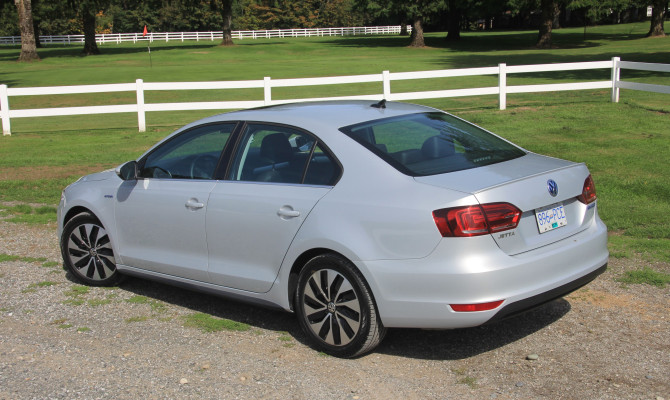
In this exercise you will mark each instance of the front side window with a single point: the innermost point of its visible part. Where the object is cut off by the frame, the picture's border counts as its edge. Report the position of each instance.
(191, 155)
(279, 154)
(431, 143)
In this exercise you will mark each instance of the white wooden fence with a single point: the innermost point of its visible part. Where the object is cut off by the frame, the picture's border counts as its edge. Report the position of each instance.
(211, 36)
(386, 77)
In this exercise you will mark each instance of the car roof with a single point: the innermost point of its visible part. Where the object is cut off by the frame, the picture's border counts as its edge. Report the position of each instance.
(334, 114)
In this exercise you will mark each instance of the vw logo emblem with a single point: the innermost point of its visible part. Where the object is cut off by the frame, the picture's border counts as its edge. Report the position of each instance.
(552, 186)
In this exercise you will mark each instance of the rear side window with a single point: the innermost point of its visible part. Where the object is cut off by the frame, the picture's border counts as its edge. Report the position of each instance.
(431, 143)
(280, 154)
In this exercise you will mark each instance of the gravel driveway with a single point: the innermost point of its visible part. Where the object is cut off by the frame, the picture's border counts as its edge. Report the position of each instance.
(63, 341)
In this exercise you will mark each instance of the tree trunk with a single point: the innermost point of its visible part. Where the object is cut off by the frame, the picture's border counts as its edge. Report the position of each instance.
(403, 28)
(28, 49)
(556, 23)
(657, 17)
(227, 14)
(416, 38)
(454, 22)
(544, 38)
(90, 46)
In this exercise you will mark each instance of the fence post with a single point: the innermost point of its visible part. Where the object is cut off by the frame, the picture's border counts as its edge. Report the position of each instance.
(386, 79)
(502, 86)
(267, 91)
(4, 111)
(616, 75)
(141, 120)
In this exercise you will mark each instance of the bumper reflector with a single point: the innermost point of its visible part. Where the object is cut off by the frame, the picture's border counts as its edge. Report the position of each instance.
(476, 307)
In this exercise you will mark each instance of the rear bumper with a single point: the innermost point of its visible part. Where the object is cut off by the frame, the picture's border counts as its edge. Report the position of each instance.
(417, 293)
(524, 305)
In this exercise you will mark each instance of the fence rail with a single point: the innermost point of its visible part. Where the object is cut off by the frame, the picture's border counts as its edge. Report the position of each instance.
(212, 35)
(615, 84)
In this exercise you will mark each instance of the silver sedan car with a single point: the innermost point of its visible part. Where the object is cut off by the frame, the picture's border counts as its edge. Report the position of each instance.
(357, 216)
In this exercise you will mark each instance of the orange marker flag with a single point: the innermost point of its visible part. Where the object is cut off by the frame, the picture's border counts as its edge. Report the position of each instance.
(145, 31)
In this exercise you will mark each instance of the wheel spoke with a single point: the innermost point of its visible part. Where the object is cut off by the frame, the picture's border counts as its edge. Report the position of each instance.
(337, 338)
(324, 284)
(348, 313)
(100, 267)
(109, 264)
(314, 304)
(91, 268)
(317, 292)
(335, 286)
(346, 327)
(317, 317)
(83, 236)
(78, 242)
(93, 236)
(82, 262)
(323, 327)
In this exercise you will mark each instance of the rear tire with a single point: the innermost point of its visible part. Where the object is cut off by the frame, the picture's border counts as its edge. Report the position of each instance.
(336, 309)
(87, 251)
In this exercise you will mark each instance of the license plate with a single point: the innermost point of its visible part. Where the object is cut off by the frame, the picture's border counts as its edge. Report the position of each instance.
(551, 217)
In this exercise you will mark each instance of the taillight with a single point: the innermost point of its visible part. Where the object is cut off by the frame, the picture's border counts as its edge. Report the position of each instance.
(476, 307)
(476, 220)
(588, 192)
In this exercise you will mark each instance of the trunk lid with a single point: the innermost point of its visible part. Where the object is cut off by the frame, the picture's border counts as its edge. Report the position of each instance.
(523, 182)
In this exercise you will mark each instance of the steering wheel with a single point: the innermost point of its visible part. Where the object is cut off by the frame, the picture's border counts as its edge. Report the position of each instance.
(202, 166)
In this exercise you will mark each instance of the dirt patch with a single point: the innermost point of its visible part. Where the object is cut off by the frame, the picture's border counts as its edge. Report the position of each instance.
(49, 172)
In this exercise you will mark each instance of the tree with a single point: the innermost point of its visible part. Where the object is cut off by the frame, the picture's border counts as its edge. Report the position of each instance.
(657, 17)
(28, 49)
(88, 18)
(227, 14)
(454, 21)
(546, 23)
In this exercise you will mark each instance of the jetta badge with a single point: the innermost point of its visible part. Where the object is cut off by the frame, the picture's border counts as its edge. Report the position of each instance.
(552, 186)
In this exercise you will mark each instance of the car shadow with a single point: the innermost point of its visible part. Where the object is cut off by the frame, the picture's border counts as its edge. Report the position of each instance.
(458, 344)
(453, 344)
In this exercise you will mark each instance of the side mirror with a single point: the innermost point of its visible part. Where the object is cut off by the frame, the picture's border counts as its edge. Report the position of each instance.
(127, 171)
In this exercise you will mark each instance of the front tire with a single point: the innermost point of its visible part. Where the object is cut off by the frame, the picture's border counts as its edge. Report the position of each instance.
(336, 309)
(87, 251)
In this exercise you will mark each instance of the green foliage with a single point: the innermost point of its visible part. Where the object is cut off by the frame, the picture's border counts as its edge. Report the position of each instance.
(42, 284)
(76, 291)
(156, 306)
(140, 318)
(8, 257)
(24, 213)
(647, 276)
(98, 302)
(207, 323)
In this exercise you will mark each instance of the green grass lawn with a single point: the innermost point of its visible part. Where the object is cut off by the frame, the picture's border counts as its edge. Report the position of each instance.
(626, 145)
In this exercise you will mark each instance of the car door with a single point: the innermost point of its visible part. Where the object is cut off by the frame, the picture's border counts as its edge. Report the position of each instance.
(161, 215)
(277, 176)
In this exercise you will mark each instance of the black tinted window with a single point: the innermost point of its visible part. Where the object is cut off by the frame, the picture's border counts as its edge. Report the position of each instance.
(431, 143)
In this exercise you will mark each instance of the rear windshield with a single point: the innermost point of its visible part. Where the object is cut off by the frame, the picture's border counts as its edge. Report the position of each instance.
(431, 143)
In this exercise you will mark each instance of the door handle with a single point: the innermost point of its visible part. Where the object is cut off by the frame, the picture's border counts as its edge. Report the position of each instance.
(287, 212)
(194, 204)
